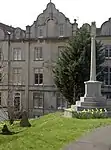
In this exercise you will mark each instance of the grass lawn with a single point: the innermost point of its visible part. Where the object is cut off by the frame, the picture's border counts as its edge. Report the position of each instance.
(50, 132)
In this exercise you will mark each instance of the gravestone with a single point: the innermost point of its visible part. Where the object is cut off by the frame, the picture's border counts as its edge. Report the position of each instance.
(24, 121)
(5, 130)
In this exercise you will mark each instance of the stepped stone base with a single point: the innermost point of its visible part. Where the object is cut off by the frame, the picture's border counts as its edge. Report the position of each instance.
(91, 100)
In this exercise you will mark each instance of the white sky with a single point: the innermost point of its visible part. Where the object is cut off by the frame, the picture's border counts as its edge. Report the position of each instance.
(20, 13)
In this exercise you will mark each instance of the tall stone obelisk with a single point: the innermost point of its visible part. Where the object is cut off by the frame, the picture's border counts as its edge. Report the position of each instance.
(93, 53)
(92, 98)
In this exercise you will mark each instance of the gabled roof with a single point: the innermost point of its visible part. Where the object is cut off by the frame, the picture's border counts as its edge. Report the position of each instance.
(6, 27)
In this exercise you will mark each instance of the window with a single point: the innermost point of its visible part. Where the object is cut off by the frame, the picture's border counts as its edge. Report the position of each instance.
(110, 51)
(106, 76)
(17, 100)
(109, 76)
(38, 99)
(38, 53)
(0, 98)
(0, 53)
(107, 50)
(60, 49)
(108, 95)
(17, 54)
(17, 76)
(61, 30)
(40, 32)
(61, 102)
(38, 76)
(0, 77)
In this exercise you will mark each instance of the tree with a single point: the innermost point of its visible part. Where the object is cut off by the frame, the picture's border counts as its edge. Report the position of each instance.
(73, 65)
(10, 113)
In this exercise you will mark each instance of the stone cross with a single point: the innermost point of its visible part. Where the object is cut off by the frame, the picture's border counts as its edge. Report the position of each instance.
(93, 53)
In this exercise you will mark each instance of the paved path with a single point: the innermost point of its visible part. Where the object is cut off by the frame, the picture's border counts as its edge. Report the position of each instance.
(99, 139)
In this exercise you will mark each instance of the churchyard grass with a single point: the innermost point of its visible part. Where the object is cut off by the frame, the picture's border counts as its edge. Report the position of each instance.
(50, 132)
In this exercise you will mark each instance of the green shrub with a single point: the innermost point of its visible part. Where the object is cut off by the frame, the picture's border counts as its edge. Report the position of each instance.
(90, 114)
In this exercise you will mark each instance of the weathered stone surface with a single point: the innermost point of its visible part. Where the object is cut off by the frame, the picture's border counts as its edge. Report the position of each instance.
(5, 130)
(24, 121)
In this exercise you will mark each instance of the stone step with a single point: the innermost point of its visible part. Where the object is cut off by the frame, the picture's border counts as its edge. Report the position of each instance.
(95, 104)
(93, 99)
(88, 108)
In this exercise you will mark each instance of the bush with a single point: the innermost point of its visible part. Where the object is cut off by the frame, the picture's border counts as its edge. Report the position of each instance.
(90, 114)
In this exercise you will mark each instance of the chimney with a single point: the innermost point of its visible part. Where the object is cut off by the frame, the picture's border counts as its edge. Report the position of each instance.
(74, 27)
(27, 31)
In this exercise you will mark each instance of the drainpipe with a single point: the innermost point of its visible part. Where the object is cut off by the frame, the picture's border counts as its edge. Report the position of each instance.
(28, 71)
(8, 100)
(8, 103)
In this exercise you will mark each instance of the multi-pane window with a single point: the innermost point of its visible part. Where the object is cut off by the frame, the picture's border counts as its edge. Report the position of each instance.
(107, 76)
(17, 76)
(40, 32)
(107, 50)
(16, 101)
(38, 99)
(108, 95)
(61, 102)
(17, 54)
(0, 98)
(38, 75)
(38, 53)
(0, 54)
(60, 49)
(0, 77)
(61, 29)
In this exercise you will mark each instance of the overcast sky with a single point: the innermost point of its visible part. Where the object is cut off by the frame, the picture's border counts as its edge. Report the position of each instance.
(20, 13)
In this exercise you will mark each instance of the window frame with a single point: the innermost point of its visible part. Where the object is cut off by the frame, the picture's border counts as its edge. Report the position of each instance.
(61, 30)
(1, 77)
(38, 71)
(38, 53)
(0, 98)
(60, 48)
(38, 97)
(107, 51)
(107, 76)
(16, 97)
(19, 78)
(1, 54)
(40, 31)
(61, 102)
(17, 54)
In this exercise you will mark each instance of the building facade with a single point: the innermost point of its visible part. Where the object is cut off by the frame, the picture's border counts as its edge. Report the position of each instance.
(27, 58)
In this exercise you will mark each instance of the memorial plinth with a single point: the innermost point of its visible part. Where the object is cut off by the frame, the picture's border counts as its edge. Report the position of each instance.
(93, 97)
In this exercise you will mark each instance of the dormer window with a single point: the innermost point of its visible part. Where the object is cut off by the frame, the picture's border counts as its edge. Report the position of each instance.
(40, 32)
(61, 30)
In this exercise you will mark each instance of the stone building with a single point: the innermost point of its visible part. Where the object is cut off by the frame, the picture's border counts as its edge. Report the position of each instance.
(28, 56)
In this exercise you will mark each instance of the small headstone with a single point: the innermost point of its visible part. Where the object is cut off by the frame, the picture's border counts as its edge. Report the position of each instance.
(5, 130)
(24, 121)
